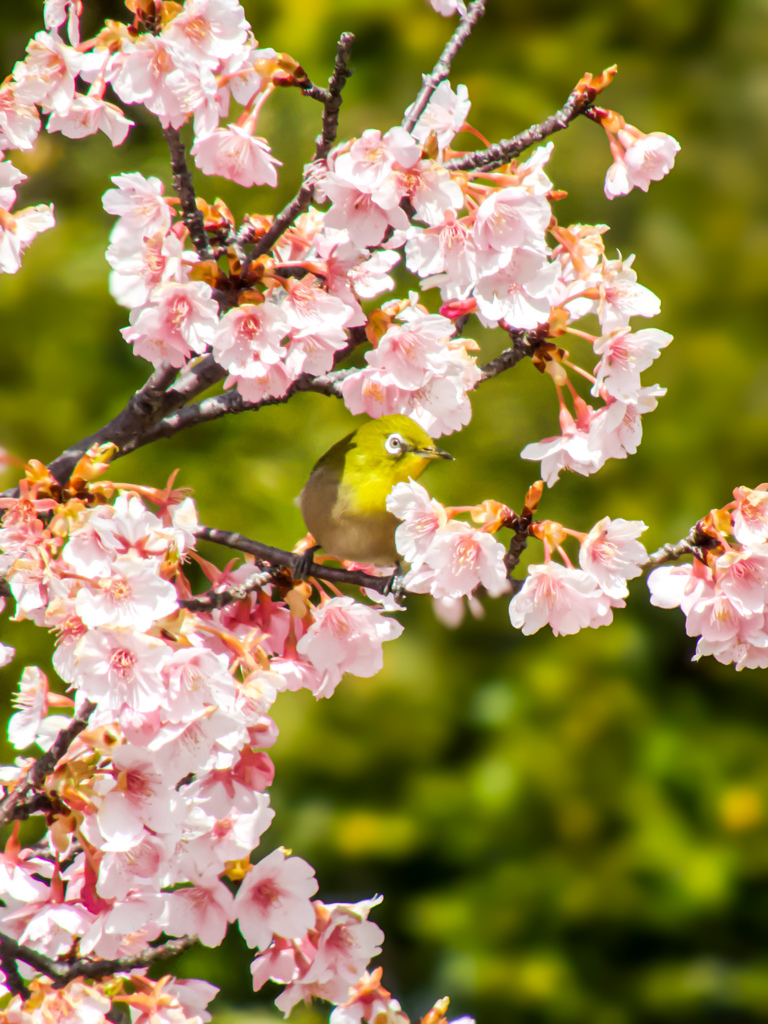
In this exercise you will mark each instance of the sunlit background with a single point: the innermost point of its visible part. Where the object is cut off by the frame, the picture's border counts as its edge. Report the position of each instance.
(564, 830)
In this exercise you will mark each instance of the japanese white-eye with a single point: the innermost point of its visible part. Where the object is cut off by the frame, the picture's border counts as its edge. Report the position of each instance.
(344, 500)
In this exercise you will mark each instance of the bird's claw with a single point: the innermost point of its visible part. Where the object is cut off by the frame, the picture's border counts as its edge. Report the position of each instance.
(302, 564)
(396, 584)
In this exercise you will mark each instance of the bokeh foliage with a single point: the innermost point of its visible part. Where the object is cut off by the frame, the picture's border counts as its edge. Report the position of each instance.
(564, 830)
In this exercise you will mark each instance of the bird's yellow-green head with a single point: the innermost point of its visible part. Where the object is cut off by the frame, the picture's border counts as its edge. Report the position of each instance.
(344, 502)
(396, 446)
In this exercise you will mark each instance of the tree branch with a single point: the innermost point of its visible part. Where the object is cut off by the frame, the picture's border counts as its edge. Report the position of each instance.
(35, 777)
(442, 69)
(504, 151)
(696, 544)
(142, 406)
(287, 559)
(219, 598)
(323, 143)
(61, 974)
(185, 190)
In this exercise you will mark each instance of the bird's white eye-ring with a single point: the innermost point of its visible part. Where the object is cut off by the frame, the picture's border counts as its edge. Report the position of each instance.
(395, 444)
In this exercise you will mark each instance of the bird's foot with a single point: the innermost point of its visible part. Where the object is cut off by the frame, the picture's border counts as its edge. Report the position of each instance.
(396, 584)
(302, 564)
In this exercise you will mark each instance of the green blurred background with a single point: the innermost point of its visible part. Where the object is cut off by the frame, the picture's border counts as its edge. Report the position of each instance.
(564, 830)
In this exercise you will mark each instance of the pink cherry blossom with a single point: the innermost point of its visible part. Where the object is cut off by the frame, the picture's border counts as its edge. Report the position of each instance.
(621, 297)
(10, 176)
(404, 351)
(234, 153)
(18, 230)
(19, 119)
(518, 293)
(132, 596)
(179, 320)
(153, 71)
(445, 113)
(611, 554)
(458, 560)
(570, 450)
(32, 702)
(137, 271)
(750, 516)
(139, 202)
(445, 254)
(247, 339)
(366, 218)
(118, 668)
(422, 517)
(743, 576)
(143, 795)
(230, 838)
(673, 586)
(639, 159)
(447, 8)
(512, 217)
(106, 532)
(274, 383)
(747, 653)
(87, 115)
(203, 909)
(47, 75)
(616, 430)
(208, 30)
(432, 191)
(566, 599)
(346, 637)
(345, 947)
(371, 392)
(274, 899)
(624, 355)
(143, 866)
(717, 617)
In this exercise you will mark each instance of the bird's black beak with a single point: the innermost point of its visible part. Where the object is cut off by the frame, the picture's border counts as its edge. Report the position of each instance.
(431, 451)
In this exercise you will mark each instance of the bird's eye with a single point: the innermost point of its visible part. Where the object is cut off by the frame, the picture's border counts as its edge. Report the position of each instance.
(395, 444)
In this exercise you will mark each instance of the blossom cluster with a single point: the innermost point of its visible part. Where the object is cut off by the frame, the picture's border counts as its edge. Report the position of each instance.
(450, 559)
(489, 242)
(724, 591)
(157, 806)
(163, 799)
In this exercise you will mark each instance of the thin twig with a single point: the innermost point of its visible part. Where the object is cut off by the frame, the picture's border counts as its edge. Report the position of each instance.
(185, 190)
(442, 69)
(276, 556)
(45, 764)
(61, 973)
(233, 402)
(219, 598)
(694, 544)
(323, 143)
(502, 152)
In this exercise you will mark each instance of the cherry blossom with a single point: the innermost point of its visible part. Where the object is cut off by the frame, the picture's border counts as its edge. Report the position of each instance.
(611, 554)
(179, 319)
(273, 899)
(639, 159)
(458, 559)
(563, 598)
(346, 636)
(18, 230)
(87, 115)
(234, 153)
(139, 202)
(445, 113)
(346, 945)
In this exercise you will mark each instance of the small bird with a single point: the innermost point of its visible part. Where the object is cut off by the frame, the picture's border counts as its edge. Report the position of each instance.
(344, 500)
